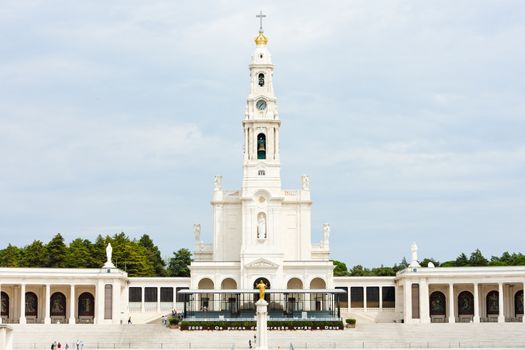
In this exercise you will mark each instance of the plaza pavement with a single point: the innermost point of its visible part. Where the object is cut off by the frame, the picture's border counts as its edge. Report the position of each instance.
(368, 336)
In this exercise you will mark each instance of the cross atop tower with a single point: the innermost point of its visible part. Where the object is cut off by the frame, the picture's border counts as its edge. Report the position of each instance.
(260, 16)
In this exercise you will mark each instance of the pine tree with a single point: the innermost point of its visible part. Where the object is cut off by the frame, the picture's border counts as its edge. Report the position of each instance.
(179, 264)
(34, 255)
(462, 260)
(10, 256)
(340, 268)
(153, 255)
(477, 259)
(57, 252)
(80, 254)
(98, 251)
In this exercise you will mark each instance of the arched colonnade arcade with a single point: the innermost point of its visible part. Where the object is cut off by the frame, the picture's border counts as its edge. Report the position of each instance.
(463, 302)
(230, 302)
(66, 300)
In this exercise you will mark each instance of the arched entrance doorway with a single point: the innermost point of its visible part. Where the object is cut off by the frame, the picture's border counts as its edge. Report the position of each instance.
(317, 299)
(230, 301)
(206, 301)
(294, 301)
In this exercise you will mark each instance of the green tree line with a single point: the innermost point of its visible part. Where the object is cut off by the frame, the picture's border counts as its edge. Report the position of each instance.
(476, 258)
(139, 257)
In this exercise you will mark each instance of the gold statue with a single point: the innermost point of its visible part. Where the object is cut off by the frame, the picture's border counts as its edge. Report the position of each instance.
(262, 287)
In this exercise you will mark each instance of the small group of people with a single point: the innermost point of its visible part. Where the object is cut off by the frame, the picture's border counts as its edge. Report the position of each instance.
(56, 345)
(254, 341)
(79, 345)
(165, 319)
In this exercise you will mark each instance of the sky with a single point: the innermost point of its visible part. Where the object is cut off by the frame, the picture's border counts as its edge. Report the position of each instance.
(408, 116)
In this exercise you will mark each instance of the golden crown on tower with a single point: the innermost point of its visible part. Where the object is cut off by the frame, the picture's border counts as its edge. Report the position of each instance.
(261, 39)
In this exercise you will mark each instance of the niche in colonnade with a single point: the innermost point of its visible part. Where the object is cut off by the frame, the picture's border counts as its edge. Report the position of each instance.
(58, 304)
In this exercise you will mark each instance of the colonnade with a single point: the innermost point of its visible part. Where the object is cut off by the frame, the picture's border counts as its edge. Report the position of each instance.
(84, 303)
(418, 293)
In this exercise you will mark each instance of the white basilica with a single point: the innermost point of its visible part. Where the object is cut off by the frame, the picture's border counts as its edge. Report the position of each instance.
(262, 232)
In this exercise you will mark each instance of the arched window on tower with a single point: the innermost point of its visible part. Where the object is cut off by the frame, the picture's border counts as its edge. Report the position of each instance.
(261, 146)
(261, 79)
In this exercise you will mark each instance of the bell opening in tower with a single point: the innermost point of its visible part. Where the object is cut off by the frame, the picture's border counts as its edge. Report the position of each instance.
(261, 146)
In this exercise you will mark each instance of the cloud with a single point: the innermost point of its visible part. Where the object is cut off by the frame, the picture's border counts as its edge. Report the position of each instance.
(407, 115)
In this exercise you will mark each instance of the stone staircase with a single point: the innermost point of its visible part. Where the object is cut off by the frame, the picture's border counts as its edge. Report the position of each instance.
(370, 316)
(381, 335)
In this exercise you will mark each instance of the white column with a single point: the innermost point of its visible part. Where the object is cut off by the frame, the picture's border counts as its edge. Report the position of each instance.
(307, 301)
(451, 304)
(262, 329)
(245, 144)
(476, 303)
(269, 143)
(277, 144)
(1, 321)
(47, 305)
(274, 143)
(364, 299)
(125, 300)
(407, 303)
(174, 304)
(72, 304)
(98, 294)
(424, 302)
(142, 299)
(116, 317)
(501, 316)
(350, 298)
(158, 298)
(22, 304)
(380, 298)
(99, 302)
(253, 144)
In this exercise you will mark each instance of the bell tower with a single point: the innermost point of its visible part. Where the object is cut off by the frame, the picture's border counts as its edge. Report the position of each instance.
(261, 231)
(261, 166)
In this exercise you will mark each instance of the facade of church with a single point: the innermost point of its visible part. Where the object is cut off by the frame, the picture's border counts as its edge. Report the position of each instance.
(262, 232)
(261, 229)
